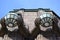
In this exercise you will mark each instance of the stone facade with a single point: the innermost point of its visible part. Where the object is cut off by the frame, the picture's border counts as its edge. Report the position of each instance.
(29, 16)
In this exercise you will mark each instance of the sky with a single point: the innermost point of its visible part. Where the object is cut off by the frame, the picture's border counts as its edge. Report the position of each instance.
(8, 5)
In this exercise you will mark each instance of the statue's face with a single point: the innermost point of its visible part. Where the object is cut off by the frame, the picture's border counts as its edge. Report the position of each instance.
(46, 21)
(11, 21)
(45, 28)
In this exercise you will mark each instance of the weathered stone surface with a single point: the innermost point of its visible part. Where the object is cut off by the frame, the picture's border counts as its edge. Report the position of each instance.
(29, 17)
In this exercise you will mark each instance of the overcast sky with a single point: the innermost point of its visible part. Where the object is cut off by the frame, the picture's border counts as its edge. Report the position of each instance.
(7, 5)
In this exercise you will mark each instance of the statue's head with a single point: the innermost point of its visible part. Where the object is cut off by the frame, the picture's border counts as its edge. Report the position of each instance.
(11, 21)
(46, 21)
